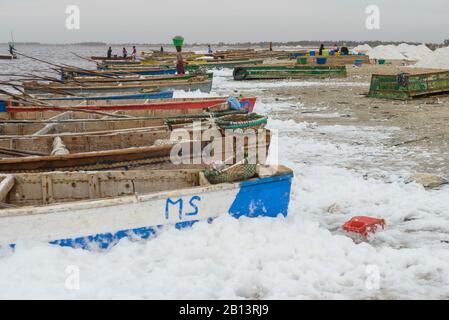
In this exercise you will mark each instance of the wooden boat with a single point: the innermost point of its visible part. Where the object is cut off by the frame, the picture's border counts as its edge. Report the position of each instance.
(11, 109)
(338, 60)
(7, 57)
(242, 54)
(97, 98)
(120, 62)
(76, 123)
(68, 73)
(49, 122)
(202, 83)
(94, 210)
(136, 78)
(87, 136)
(190, 66)
(222, 64)
(410, 85)
(113, 58)
(122, 149)
(291, 71)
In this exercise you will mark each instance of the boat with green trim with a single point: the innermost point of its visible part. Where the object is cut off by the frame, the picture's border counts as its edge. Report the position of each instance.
(291, 71)
(406, 86)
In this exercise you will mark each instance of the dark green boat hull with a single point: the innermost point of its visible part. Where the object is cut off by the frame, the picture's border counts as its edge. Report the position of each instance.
(411, 86)
(288, 72)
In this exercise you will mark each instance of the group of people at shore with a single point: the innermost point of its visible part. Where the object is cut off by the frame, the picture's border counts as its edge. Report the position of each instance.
(334, 49)
(179, 59)
(124, 53)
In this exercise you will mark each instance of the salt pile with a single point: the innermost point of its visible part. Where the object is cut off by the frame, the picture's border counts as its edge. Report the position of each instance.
(414, 53)
(439, 59)
(388, 52)
(363, 48)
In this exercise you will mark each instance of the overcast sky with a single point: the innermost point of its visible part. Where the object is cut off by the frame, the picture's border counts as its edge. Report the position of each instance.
(151, 21)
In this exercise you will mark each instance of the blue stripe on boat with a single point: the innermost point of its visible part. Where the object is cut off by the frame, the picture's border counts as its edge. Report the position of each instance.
(140, 72)
(157, 95)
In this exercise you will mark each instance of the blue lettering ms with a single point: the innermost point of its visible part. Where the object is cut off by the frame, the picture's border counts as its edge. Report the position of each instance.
(183, 211)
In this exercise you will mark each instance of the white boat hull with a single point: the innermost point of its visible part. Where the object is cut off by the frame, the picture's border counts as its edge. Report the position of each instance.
(102, 223)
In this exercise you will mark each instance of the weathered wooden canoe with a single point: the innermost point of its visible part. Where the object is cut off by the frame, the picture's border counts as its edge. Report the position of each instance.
(190, 66)
(97, 98)
(222, 64)
(120, 62)
(67, 73)
(135, 79)
(111, 58)
(88, 136)
(408, 86)
(11, 109)
(288, 72)
(76, 123)
(94, 210)
(338, 60)
(125, 149)
(43, 123)
(202, 83)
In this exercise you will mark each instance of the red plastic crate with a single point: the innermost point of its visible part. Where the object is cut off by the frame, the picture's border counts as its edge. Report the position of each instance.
(363, 225)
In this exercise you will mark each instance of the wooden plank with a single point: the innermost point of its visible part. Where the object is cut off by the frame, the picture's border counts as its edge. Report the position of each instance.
(94, 186)
(47, 189)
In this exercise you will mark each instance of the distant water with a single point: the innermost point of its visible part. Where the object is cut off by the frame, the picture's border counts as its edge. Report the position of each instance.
(61, 54)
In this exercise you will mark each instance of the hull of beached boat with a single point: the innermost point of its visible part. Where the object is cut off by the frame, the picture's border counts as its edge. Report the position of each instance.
(111, 58)
(222, 64)
(92, 81)
(138, 96)
(9, 110)
(121, 150)
(102, 223)
(288, 72)
(117, 73)
(120, 62)
(190, 66)
(186, 85)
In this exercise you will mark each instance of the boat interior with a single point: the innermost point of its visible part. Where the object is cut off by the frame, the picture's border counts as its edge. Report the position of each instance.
(37, 189)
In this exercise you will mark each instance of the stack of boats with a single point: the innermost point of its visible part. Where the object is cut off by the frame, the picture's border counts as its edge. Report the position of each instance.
(104, 155)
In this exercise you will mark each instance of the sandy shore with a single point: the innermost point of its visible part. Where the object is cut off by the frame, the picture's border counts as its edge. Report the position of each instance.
(420, 125)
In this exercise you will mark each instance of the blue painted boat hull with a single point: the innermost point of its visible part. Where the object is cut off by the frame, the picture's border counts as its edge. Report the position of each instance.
(140, 96)
(123, 73)
(254, 199)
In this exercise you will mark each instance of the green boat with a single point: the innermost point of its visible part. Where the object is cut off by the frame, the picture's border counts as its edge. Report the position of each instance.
(288, 72)
(190, 66)
(406, 86)
(222, 64)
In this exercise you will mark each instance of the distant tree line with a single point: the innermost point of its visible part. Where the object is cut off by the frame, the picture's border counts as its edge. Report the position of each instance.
(303, 43)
